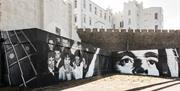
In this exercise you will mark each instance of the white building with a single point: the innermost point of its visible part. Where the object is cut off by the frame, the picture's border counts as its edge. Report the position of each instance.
(63, 17)
(134, 16)
(51, 15)
(87, 14)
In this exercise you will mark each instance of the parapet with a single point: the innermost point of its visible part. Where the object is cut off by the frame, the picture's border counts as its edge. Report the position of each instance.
(129, 30)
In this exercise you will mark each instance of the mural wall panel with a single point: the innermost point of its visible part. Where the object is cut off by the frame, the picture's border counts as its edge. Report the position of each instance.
(35, 58)
(159, 62)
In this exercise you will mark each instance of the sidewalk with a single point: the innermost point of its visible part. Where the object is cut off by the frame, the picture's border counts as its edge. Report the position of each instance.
(117, 83)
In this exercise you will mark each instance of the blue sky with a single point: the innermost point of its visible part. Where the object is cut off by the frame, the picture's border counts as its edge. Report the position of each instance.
(171, 9)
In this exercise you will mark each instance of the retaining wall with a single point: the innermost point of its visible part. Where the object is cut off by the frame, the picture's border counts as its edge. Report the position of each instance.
(121, 39)
(35, 58)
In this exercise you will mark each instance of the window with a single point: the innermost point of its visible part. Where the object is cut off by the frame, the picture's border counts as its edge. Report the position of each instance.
(109, 18)
(137, 14)
(114, 26)
(90, 21)
(121, 24)
(84, 18)
(129, 12)
(95, 10)
(75, 3)
(84, 4)
(58, 31)
(129, 21)
(156, 16)
(156, 27)
(90, 7)
(75, 18)
(104, 16)
(101, 13)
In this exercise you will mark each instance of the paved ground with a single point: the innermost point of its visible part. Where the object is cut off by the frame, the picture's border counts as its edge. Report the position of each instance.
(117, 83)
(112, 82)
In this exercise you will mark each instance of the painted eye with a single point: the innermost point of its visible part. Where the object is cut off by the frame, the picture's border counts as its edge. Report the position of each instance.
(127, 60)
(152, 62)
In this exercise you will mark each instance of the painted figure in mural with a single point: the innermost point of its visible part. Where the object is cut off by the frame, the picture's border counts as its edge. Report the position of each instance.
(162, 62)
(79, 65)
(51, 56)
(58, 61)
(51, 45)
(51, 61)
(66, 71)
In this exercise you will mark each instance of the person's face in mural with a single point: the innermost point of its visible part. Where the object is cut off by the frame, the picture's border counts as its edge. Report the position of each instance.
(51, 62)
(77, 60)
(148, 60)
(125, 63)
(51, 45)
(57, 54)
(67, 61)
(138, 62)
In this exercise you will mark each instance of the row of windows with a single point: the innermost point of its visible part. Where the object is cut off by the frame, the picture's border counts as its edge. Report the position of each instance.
(155, 15)
(84, 19)
(95, 10)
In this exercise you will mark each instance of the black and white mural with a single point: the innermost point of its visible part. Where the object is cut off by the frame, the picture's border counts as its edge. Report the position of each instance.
(158, 62)
(34, 58)
(67, 60)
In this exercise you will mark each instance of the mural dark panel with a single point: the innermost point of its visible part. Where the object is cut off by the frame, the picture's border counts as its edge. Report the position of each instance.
(35, 58)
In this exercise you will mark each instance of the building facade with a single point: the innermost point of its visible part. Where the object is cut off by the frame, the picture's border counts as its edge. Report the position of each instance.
(42, 14)
(87, 14)
(63, 17)
(134, 16)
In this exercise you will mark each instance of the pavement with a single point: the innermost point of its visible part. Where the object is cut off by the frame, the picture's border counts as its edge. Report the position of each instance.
(117, 83)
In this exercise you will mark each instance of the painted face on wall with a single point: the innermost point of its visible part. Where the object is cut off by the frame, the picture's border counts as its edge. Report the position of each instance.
(51, 63)
(57, 54)
(77, 60)
(138, 62)
(125, 62)
(146, 62)
(67, 61)
(51, 45)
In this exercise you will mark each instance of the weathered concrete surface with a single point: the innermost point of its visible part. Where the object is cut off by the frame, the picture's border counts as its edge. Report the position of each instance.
(115, 40)
(117, 83)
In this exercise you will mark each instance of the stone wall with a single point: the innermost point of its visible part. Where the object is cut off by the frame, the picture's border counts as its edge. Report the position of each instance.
(130, 39)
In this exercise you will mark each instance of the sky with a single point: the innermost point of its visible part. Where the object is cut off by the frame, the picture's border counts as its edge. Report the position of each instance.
(171, 9)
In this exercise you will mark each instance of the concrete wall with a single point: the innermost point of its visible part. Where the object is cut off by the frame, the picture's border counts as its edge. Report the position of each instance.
(42, 14)
(131, 39)
(56, 14)
(20, 14)
(36, 58)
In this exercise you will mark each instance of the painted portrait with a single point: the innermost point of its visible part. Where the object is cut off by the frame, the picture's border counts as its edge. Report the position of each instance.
(160, 62)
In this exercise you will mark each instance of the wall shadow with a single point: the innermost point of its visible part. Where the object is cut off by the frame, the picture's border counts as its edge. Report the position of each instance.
(73, 83)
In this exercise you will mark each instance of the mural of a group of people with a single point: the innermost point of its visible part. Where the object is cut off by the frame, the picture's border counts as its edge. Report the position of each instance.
(67, 60)
(37, 58)
(158, 62)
